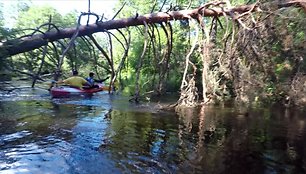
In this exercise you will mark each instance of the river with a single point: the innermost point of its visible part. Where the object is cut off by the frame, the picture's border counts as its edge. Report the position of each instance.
(107, 134)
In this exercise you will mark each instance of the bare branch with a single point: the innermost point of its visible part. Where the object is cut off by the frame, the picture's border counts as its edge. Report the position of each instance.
(118, 11)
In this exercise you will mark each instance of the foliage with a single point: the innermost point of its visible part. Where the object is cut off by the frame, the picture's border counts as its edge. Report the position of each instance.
(80, 56)
(275, 56)
(2, 30)
(1, 15)
(152, 68)
(36, 16)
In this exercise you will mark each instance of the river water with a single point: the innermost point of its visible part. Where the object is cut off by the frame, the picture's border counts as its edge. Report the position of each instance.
(107, 134)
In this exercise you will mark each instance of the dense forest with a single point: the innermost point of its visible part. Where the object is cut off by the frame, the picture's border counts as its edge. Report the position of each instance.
(247, 51)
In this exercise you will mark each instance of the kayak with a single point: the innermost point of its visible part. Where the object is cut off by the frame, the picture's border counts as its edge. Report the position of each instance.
(66, 91)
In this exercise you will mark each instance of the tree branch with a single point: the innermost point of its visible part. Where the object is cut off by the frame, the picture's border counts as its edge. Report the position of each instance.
(16, 46)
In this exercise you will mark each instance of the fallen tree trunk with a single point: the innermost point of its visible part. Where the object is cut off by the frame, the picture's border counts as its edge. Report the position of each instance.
(13, 47)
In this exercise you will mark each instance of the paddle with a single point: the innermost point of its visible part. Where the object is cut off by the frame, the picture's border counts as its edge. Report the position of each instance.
(48, 85)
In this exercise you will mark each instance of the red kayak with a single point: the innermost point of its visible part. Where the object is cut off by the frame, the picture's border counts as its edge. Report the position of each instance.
(66, 91)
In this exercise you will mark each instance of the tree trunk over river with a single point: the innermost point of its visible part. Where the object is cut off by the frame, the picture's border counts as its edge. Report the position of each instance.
(13, 47)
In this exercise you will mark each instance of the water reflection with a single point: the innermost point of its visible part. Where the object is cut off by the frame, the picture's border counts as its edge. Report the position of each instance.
(106, 134)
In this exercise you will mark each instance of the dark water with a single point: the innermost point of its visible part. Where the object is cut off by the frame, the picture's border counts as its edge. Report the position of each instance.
(106, 134)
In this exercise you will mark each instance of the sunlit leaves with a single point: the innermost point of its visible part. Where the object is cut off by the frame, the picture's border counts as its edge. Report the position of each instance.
(1, 15)
(36, 16)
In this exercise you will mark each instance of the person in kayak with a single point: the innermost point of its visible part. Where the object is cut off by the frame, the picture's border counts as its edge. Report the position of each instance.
(75, 80)
(91, 81)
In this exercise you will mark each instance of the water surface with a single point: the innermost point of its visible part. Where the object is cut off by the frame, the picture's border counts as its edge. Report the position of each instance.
(107, 134)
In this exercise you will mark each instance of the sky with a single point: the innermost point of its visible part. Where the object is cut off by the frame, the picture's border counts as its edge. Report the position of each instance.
(65, 6)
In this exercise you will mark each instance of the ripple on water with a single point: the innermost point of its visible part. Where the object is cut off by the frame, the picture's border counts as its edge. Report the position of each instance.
(98, 100)
(35, 158)
(25, 93)
(14, 136)
(104, 134)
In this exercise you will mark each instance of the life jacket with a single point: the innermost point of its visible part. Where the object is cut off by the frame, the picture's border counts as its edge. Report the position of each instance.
(91, 81)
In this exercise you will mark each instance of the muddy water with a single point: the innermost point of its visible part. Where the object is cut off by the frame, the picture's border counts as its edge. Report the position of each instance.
(107, 134)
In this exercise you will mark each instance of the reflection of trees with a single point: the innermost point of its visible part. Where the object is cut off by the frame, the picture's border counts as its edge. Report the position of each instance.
(256, 143)
(241, 153)
(139, 140)
(41, 118)
(207, 140)
(200, 126)
(42, 134)
(142, 141)
(294, 139)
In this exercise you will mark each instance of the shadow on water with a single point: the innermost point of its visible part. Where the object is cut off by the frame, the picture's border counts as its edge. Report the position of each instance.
(107, 134)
